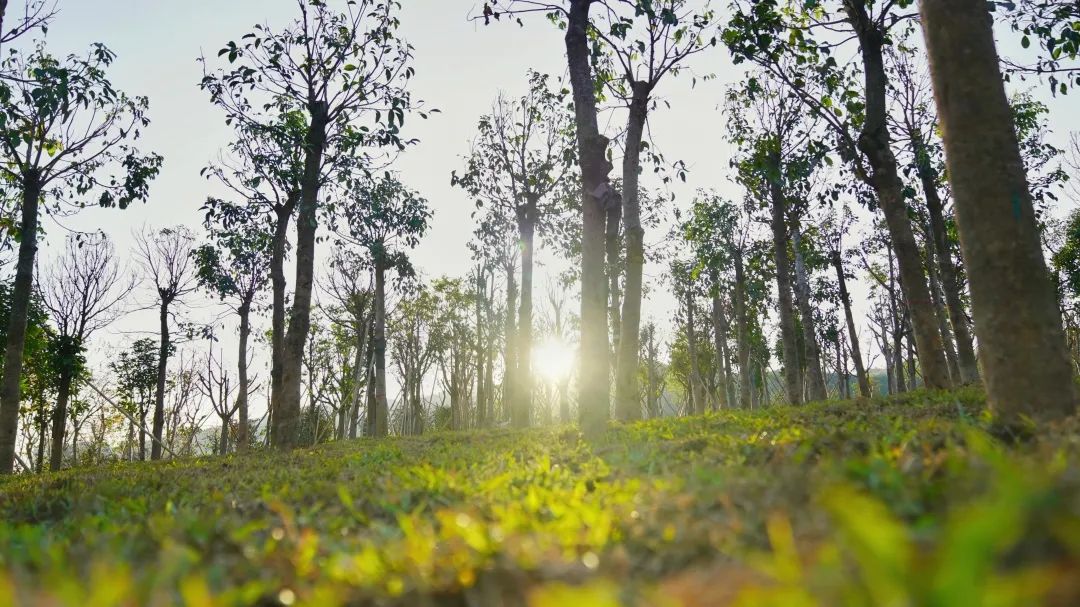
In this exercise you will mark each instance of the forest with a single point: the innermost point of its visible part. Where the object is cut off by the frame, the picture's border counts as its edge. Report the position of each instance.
(681, 303)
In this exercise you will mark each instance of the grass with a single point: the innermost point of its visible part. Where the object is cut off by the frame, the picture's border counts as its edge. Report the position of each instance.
(902, 502)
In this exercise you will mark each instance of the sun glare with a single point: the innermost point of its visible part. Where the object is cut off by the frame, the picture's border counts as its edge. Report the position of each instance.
(553, 359)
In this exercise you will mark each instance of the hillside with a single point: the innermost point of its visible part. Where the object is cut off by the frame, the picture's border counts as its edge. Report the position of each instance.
(908, 501)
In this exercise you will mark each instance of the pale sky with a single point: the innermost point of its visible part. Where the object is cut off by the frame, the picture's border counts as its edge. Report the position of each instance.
(460, 65)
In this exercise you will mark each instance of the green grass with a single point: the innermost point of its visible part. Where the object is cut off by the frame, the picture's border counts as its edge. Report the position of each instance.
(907, 502)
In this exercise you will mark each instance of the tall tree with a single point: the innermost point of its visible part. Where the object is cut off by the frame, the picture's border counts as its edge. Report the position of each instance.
(82, 290)
(1021, 341)
(523, 152)
(65, 133)
(386, 219)
(169, 267)
(347, 71)
(235, 267)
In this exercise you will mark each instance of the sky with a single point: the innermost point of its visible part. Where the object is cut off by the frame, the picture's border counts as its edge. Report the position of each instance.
(461, 65)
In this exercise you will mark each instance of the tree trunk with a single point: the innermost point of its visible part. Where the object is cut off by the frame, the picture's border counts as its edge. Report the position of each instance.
(965, 351)
(697, 400)
(612, 227)
(853, 336)
(521, 407)
(481, 284)
(720, 345)
(1017, 322)
(242, 439)
(223, 437)
(380, 421)
(286, 420)
(743, 337)
(594, 389)
(874, 142)
(162, 370)
(363, 371)
(510, 353)
(280, 242)
(814, 377)
(627, 391)
(943, 318)
(788, 338)
(59, 417)
(10, 388)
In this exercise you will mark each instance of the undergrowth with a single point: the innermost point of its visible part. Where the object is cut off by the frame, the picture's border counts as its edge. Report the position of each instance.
(901, 502)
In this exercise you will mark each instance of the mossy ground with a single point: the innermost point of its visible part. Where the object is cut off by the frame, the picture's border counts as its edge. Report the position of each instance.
(901, 502)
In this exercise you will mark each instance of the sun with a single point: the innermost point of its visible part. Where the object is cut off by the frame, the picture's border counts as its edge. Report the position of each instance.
(553, 359)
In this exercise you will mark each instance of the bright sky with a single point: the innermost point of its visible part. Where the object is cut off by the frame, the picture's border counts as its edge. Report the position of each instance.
(461, 65)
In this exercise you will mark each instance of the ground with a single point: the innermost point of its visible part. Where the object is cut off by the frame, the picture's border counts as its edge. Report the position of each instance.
(909, 501)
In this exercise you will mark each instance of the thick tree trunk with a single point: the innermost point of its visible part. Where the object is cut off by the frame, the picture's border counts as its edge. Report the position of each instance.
(162, 371)
(742, 338)
(522, 406)
(380, 421)
(244, 388)
(10, 387)
(853, 336)
(965, 350)
(627, 391)
(1021, 342)
(59, 418)
(594, 399)
(287, 419)
(815, 380)
(874, 142)
(279, 244)
(788, 338)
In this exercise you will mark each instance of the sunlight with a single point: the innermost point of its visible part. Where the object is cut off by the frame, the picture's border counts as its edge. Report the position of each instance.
(553, 359)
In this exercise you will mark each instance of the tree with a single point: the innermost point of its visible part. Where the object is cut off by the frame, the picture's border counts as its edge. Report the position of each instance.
(386, 219)
(136, 372)
(65, 133)
(215, 386)
(82, 290)
(523, 152)
(351, 286)
(236, 267)
(1021, 343)
(170, 267)
(347, 73)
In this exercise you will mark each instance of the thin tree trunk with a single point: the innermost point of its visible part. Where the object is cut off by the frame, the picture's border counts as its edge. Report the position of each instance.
(743, 336)
(10, 387)
(1021, 342)
(720, 345)
(162, 370)
(307, 222)
(627, 391)
(380, 421)
(594, 389)
(510, 353)
(853, 336)
(788, 339)
(874, 142)
(59, 418)
(522, 405)
(612, 227)
(697, 398)
(943, 319)
(815, 379)
(481, 389)
(244, 388)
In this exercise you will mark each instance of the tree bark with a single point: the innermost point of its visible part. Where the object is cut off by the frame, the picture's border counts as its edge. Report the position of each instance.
(59, 418)
(874, 142)
(627, 391)
(280, 242)
(853, 336)
(287, 419)
(594, 389)
(788, 338)
(815, 380)
(1021, 341)
(162, 371)
(10, 388)
(380, 421)
(743, 336)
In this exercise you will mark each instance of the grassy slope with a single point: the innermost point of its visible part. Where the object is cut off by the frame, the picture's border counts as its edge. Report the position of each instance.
(852, 503)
